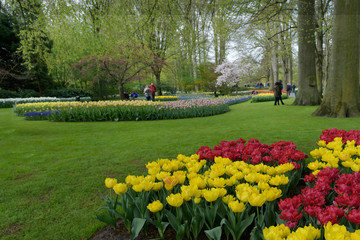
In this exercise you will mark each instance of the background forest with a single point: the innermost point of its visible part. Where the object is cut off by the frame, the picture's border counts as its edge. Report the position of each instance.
(47, 44)
(106, 47)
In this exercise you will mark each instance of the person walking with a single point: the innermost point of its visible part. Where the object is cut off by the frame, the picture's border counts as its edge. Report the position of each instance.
(293, 89)
(147, 92)
(288, 89)
(153, 91)
(281, 88)
(277, 93)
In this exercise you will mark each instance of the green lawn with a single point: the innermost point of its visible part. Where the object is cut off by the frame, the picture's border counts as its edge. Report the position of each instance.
(51, 173)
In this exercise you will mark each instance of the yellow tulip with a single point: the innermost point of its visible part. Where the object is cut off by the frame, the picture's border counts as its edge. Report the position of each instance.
(336, 232)
(188, 192)
(279, 180)
(197, 200)
(138, 188)
(161, 175)
(181, 176)
(120, 188)
(219, 182)
(155, 206)
(257, 200)
(175, 200)
(147, 185)
(228, 198)
(170, 182)
(276, 232)
(110, 182)
(272, 193)
(198, 181)
(211, 195)
(236, 206)
(157, 186)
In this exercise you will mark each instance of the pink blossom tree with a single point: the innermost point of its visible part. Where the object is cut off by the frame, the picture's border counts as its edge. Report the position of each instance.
(239, 71)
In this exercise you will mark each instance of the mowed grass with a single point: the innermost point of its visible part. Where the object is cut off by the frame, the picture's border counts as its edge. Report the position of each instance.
(51, 173)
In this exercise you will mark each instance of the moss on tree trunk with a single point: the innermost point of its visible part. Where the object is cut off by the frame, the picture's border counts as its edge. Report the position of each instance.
(342, 91)
(308, 94)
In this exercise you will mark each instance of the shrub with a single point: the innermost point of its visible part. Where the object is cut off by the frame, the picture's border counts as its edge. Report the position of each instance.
(68, 93)
(8, 94)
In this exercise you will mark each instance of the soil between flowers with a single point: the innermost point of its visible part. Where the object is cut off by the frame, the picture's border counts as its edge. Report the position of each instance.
(121, 233)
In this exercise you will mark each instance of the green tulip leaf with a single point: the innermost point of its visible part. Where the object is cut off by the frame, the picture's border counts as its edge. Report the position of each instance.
(136, 226)
(214, 233)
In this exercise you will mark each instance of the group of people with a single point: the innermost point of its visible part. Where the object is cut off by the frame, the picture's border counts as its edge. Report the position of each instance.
(149, 92)
(278, 87)
(291, 88)
(133, 95)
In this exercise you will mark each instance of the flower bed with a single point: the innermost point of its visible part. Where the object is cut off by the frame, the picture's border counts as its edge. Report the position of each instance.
(265, 97)
(166, 98)
(331, 200)
(120, 110)
(215, 195)
(10, 102)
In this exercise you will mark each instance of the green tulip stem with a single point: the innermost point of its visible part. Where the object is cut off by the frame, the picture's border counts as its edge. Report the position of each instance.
(116, 199)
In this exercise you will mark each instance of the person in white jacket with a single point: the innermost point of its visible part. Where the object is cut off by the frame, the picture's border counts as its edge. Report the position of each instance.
(147, 92)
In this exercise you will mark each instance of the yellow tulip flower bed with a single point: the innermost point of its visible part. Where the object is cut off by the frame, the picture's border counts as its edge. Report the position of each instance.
(265, 97)
(331, 232)
(194, 195)
(166, 98)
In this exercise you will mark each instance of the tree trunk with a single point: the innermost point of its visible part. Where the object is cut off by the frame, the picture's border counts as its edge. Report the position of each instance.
(216, 47)
(319, 46)
(327, 62)
(158, 82)
(290, 67)
(222, 43)
(319, 62)
(121, 91)
(274, 65)
(342, 90)
(283, 51)
(308, 94)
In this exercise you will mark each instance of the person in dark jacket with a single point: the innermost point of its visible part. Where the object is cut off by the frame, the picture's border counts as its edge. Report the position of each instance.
(281, 88)
(277, 93)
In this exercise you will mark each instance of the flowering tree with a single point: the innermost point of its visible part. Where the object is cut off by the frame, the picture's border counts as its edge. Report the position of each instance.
(118, 67)
(233, 73)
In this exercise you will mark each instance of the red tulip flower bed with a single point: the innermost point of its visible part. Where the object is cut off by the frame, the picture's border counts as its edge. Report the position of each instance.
(332, 194)
(328, 135)
(331, 198)
(254, 152)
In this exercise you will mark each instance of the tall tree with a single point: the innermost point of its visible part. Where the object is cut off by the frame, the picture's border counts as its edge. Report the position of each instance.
(308, 94)
(342, 90)
(322, 9)
(155, 25)
(35, 44)
(122, 65)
